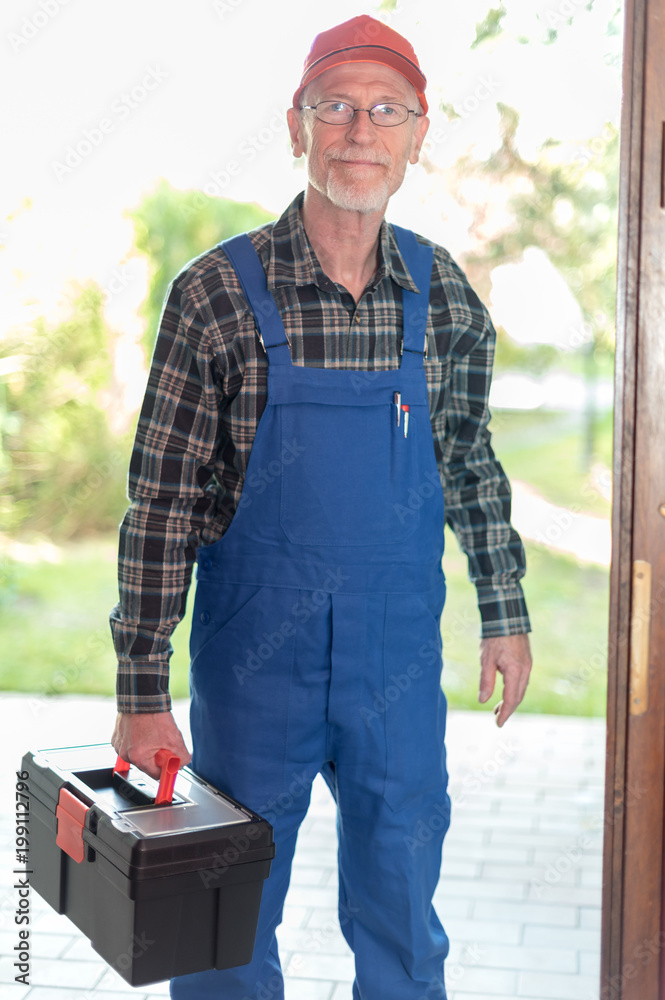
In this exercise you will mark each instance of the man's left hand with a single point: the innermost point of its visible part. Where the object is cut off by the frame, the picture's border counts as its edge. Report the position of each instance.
(509, 655)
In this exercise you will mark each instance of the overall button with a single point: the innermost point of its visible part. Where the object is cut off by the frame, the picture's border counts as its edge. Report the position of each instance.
(204, 617)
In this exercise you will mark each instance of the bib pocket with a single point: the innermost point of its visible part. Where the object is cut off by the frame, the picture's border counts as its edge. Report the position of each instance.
(350, 483)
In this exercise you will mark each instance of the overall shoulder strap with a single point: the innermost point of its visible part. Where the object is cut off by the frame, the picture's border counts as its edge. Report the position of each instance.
(419, 260)
(246, 263)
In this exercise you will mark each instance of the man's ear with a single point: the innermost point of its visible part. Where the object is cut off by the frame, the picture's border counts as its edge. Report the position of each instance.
(297, 133)
(419, 133)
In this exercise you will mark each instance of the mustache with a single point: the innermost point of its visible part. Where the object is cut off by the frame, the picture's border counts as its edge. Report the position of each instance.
(350, 156)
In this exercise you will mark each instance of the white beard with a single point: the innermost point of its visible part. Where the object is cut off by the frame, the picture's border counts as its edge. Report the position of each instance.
(359, 196)
(356, 197)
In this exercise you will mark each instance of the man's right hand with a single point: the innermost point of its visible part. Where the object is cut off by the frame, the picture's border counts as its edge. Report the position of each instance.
(137, 738)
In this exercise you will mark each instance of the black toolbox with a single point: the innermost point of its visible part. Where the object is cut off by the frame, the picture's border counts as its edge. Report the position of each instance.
(161, 890)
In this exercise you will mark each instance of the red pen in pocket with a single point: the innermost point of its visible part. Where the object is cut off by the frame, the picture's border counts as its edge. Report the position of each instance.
(405, 410)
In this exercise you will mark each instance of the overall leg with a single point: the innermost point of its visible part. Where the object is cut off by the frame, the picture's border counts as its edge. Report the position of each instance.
(251, 680)
(389, 781)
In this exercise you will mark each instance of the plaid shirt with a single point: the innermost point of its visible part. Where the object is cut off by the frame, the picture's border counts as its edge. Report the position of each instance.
(206, 393)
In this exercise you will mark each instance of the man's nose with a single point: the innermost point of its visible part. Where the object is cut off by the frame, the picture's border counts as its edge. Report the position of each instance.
(361, 128)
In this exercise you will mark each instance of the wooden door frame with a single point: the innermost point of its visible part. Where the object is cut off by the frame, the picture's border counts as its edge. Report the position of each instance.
(632, 940)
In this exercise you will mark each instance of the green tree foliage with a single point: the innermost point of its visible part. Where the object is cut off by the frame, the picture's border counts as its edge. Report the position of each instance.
(567, 206)
(62, 466)
(490, 26)
(174, 226)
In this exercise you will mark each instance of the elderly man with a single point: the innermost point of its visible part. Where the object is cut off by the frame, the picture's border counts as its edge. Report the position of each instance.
(318, 386)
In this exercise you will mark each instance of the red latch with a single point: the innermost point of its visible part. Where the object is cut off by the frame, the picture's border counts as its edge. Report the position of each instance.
(71, 813)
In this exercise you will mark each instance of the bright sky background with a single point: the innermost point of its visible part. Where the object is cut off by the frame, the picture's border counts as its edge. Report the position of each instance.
(222, 73)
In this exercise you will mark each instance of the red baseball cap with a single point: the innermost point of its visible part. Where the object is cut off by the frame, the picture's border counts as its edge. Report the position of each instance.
(363, 39)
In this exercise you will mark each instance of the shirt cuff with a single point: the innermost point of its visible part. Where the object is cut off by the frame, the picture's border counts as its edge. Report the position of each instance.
(503, 610)
(140, 689)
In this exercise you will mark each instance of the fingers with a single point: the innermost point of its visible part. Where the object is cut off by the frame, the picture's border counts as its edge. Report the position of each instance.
(510, 656)
(487, 678)
(138, 737)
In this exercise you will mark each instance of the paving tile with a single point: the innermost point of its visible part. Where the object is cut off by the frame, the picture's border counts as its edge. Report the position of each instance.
(522, 957)
(479, 931)
(301, 875)
(307, 895)
(316, 857)
(590, 964)
(591, 877)
(311, 989)
(13, 991)
(333, 967)
(590, 857)
(483, 996)
(112, 982)
(526, 912)
(51, 922)
(565, 894)
(53, 993)
(525, 872)
(481, 889)
(590, 917)
(547, 840)
(481, 852)
(551, 986)
(459, 868)
(79, 949)
(44, 945)
(562, 937)
(294, 916)
(342, 991)
(157, 989)
(490, 982)
(52, 972)
(451, 906)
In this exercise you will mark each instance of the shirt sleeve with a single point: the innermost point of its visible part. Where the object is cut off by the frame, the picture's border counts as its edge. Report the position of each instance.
(177, 440)
(476, 489)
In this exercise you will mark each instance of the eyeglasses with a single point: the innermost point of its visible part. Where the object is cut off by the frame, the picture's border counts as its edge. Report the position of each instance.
(341, 113)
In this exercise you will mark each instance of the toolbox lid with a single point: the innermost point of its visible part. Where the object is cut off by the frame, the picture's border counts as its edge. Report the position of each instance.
(201, 828)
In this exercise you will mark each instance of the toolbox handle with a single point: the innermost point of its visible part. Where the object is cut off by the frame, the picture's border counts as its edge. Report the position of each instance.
(169, 763)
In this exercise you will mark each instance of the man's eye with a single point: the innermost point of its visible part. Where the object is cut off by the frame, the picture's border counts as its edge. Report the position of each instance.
(338, 106)
(385, 110)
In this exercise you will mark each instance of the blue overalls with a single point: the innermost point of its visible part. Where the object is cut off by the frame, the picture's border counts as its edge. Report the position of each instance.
(316, 647)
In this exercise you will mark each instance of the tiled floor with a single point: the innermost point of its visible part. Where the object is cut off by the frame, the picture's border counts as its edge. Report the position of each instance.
(520, 886)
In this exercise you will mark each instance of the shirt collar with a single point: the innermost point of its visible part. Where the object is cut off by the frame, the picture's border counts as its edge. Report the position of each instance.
(293, 261)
